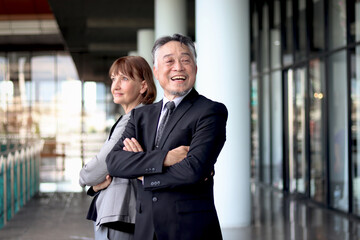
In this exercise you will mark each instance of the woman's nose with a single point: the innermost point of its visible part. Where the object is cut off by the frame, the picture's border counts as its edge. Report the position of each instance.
(117, 83)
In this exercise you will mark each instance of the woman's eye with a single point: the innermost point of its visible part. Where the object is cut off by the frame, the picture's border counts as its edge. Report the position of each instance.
(125, 79)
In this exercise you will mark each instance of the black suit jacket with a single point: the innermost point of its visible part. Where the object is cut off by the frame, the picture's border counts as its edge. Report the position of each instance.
(174, 202)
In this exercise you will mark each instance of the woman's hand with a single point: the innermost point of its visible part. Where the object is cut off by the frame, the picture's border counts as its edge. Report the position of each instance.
(104, 184)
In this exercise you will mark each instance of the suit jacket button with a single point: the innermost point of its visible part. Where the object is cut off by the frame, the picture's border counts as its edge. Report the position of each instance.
(154, 199)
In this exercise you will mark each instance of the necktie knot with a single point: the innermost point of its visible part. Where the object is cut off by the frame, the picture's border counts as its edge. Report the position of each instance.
(170, 106)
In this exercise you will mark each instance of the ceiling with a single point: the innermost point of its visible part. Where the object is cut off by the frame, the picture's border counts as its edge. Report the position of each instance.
(98, 32)
(94, 32)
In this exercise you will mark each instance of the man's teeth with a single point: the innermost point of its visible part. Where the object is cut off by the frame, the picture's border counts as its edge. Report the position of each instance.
(178, 78)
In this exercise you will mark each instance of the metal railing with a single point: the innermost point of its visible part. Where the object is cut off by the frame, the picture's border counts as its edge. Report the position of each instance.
(19, 175)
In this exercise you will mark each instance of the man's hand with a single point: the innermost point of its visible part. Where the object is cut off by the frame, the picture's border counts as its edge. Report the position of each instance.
(132, 145)
(176, 155)
(103, 185)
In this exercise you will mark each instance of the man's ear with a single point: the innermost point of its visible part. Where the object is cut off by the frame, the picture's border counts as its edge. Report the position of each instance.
(144, 87)
(155, 72)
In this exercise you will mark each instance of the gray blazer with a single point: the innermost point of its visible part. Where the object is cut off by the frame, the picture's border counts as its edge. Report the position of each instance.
(116, 202)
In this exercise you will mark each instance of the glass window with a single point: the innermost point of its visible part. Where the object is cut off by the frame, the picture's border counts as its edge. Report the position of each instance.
(276, 130)
(288, 35)
(265, 130)
(338, 137)
(275, 37)
(94, 107)
(43, 77)
(254, 40)
(3, 93)
(357, 20)
(337, 23)
(317, 133)
(354, 20)
(355, 127)
(265, 38)
(317, 26)
(300, 50)
(297, 145)
(255, 166)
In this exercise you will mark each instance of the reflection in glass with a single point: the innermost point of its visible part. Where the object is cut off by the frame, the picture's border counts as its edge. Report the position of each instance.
(43, 79)
(265, 129)
(254, 42)
(355, 127)
(357, 20)
(265, 38)
(354, 21)
(288, 43)
(337, 23)
(338, 137)
(3, 93)
(276, 130)
(317, 26)
(275, 37)
(297, 153)
(300, 50)
(317, 140)
(255, 165)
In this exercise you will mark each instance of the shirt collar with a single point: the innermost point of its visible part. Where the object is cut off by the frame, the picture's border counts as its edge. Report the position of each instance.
(177, 100)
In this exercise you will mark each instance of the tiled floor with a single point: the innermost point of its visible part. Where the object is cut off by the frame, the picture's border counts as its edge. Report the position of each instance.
(59, 211)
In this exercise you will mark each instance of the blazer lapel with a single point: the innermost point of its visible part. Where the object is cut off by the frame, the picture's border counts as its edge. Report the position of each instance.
(178, 114)
(152, 122)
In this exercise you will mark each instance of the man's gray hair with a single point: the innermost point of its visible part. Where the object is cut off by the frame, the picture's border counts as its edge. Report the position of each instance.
(176, 37)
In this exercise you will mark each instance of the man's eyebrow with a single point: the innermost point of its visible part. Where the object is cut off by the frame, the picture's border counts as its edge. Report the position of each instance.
(184, 53)
(167, 55)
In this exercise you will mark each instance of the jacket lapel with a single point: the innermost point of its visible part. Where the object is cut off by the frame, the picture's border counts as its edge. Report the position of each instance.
(152, 122)
(178, 114)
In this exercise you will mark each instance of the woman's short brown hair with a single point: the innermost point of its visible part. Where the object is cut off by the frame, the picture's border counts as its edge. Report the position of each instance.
(136, 67)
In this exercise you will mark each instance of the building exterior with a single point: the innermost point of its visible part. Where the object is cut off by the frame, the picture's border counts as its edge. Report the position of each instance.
(305, 68)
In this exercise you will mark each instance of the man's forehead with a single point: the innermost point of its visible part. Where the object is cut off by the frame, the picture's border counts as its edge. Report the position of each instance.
(172, 46)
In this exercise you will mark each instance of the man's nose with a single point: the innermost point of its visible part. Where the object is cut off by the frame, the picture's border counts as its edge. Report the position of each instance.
(178, 66)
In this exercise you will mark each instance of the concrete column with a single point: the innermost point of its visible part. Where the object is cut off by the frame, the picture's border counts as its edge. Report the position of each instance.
(222, 40)
(170, 18)
(133, 53)
(145, 42)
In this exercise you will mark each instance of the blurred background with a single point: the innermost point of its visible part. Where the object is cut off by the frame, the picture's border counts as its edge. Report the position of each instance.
(288, 71)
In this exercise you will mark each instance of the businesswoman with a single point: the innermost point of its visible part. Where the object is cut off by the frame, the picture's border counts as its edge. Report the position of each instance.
(113, 205)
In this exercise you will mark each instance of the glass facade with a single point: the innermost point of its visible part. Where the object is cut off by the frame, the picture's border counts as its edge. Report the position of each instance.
(42, 96)
(306, 117)
(355, 128)
(317, 130)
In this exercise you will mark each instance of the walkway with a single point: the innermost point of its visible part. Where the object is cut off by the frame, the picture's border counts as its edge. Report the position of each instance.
(61, 216)
(56, 213)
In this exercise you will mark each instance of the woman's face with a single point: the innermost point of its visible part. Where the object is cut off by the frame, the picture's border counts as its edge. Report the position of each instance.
(127, 91)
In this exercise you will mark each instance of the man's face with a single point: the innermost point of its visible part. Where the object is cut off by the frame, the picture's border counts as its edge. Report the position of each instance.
(176, 69)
